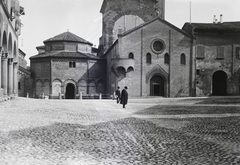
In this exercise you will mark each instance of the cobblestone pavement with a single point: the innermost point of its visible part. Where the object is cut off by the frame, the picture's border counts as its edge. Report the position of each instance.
(156, 131)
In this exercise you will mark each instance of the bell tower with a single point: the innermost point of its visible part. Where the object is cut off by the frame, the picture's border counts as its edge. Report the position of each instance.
(123, 13)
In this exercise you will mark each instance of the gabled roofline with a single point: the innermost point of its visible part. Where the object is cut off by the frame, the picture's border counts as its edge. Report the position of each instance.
(161, 20)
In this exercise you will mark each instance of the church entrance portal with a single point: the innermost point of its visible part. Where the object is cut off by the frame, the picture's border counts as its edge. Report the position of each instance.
(219, 83)
(70, 91)
(157, 86)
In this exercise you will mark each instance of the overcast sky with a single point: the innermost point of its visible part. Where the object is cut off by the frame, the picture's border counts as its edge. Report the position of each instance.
(47, 18)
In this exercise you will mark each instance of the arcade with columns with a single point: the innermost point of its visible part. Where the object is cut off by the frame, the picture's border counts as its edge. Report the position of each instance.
(9, 71)
(10, 29)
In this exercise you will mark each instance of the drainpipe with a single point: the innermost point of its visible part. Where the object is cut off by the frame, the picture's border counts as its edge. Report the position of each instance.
(232, 69)
(191, 88)
(50, 88)
(141, 76)
(170, 55)
(87, 76)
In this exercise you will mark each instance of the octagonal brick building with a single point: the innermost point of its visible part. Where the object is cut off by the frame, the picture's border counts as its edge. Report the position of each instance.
(65, 66)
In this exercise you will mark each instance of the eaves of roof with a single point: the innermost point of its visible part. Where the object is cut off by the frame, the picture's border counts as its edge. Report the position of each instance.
(63, 54)
(213, 27)
(67, 37)
(24, 70)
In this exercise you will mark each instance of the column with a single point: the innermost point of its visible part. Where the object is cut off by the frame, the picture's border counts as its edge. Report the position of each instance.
(4, 72)
(10, 76)
(15, 79)
(1, 92)
(0, 69)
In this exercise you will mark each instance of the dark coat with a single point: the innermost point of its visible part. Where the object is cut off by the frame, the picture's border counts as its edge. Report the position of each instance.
(124, 97)
(118, 93)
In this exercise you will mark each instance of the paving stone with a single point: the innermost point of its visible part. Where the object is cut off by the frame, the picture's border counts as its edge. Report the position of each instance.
(101, 132)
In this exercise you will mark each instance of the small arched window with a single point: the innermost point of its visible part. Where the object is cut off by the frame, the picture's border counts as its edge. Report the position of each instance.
(183, 59)
(166, 58)
(74, 64)
(70, 64)
(148, 58)
(131, 56)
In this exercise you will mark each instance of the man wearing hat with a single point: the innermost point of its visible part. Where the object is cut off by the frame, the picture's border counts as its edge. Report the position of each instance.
(124, 97)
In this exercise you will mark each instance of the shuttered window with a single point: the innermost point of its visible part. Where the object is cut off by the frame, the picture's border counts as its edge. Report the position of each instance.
(220, 52)
(200, 52)
(237, 52)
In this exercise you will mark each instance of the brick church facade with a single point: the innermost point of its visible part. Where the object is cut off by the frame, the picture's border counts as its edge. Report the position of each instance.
(143, 51)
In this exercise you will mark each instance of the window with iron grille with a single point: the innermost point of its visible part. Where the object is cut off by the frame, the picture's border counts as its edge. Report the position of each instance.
(220, 52)
(237, 52)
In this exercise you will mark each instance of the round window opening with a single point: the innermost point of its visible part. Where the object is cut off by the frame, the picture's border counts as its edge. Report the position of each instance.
(158, 46)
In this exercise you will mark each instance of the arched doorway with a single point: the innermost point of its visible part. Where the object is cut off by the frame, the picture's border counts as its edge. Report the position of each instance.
(70, 91)
(157, 86)
(219, 83)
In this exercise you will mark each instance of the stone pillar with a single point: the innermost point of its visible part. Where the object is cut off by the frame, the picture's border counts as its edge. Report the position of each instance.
(80, 95)
(15, 79)
(60, 95)
(4, 73)
(10, 76)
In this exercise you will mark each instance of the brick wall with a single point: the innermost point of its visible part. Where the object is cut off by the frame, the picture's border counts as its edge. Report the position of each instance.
(210, 64)
(139, 43)
(115, 9)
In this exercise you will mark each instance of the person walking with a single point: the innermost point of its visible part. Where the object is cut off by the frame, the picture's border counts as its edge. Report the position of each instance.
(124, 97)
(118, 95)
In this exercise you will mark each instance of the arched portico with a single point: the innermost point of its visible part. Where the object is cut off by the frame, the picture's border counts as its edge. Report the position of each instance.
(4, 67)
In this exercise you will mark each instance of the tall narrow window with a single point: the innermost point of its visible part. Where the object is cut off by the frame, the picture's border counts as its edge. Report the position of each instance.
(220, 52)
(183, 59)
(198, 71)
(200, 52)
(149, 58)
(70, 64)
(19, 85)
(74, 64)
(166, 58)
(131, 56)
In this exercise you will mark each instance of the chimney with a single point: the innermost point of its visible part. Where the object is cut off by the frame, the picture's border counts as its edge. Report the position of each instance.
(221, 18)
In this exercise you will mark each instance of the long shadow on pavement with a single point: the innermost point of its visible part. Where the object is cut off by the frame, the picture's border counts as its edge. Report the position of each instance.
(182, 109)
